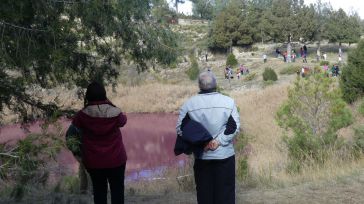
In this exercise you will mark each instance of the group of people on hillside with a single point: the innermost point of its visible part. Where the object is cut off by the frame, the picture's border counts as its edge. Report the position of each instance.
(229, 73)
(333, 72)
(303, 54)
(293, 55)
(206, 127)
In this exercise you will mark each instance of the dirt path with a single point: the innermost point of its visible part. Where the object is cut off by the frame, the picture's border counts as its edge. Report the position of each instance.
(347, 190)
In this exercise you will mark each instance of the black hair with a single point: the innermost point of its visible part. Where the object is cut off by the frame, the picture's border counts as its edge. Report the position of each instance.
(95, 92)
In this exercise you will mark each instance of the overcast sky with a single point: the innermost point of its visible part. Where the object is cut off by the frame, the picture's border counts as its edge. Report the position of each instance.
(347, 5)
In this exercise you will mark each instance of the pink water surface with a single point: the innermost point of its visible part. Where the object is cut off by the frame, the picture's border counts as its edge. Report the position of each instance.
(148, 139)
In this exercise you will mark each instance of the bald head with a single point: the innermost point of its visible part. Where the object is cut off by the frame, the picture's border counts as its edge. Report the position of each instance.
(207, 81)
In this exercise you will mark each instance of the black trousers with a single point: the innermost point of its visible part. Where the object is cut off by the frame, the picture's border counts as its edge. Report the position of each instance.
(100, 180)
(215, 181)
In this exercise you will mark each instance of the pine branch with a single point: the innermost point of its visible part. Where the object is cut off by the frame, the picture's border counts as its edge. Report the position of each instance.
(8, 155)
(21, 27)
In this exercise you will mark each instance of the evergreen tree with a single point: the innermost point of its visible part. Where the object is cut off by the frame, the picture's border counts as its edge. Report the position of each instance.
(49, 42)
(176, 2)
(352, 83)
(203, 9)
(244, 22)
(342, 28)
(161, 12)
(225, 28)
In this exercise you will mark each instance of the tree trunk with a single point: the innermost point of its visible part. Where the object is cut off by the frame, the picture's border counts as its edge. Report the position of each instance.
(318, 52)
(289, 49)
(340, 50)
(176, 4)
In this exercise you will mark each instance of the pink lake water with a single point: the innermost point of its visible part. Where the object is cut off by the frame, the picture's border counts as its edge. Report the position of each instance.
(148, 138)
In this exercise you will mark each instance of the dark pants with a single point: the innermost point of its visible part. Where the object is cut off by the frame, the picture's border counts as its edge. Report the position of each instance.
(215, 181)
(100, 180)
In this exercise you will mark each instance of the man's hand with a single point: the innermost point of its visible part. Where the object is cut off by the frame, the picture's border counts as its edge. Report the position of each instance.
(212, 145)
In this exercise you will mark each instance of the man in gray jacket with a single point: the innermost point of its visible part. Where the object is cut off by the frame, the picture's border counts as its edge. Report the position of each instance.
(214, 169)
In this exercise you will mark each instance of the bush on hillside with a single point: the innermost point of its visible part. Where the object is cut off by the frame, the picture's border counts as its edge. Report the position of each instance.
(27, 162)
(359, 138)
(292, 69)
(193, 71)
(269, 75)
(251, 76)
(267, 83)
(361, 108)
(313, 112)
(324, 63)
(231, 60)
(352, 78)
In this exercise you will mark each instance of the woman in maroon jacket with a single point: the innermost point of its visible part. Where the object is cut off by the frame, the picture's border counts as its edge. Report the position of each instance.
(102, 148)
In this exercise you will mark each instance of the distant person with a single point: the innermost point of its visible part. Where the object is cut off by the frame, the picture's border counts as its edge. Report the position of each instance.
(340, 59)
(326, 70)
(325, 67)
(333, 70)
(238, 73)
(340, 51)
(226, 72)
(324, 56)
(244, 69)
(293, 56)
(304, 58)
(102, 149)
(241, 68)
(278, 52)
(318, 55)
(301, 52)
(264, 58)
(305, 49)
(337, 70)
(285, 56)
(214, 168)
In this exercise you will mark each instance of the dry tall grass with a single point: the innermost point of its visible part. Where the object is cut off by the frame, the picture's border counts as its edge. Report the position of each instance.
(268, 158)
(257, 112)
(155, 97)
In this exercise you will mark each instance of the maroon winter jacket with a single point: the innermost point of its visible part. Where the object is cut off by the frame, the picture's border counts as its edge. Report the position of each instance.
(102, 143)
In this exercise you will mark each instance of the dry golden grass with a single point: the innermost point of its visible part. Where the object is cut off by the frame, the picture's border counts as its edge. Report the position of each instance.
(268, 158)
(155, 97)
(257, 112)
(146, 98)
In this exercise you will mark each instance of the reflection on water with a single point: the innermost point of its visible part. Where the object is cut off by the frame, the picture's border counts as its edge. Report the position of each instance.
(146, 174)
(148, 139)
(156, 173)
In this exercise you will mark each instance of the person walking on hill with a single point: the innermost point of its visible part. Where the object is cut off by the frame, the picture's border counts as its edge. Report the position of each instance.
(305, 49)
(301, 52)
(214, 168)
(324, 56)
(285, 56)
(102, 149)
(264, 58)
(278, 52)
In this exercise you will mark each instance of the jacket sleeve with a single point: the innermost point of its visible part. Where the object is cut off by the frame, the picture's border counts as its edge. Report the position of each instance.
(231, 129)
(122, 119)
(76, 121)
(183, 113)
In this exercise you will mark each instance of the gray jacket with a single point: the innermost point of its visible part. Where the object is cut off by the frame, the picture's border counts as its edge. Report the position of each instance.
(219, 115)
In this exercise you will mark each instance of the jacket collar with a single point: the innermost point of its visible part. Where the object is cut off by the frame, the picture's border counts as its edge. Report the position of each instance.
(207, 91)
(100, 103)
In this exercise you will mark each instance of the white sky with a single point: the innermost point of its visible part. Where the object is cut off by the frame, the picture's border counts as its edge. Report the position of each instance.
(347, 5)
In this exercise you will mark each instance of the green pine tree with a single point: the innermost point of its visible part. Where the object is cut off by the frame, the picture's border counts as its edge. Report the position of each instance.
(352, 83)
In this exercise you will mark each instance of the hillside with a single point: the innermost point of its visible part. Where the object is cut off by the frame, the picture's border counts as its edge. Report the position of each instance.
(267, 181)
